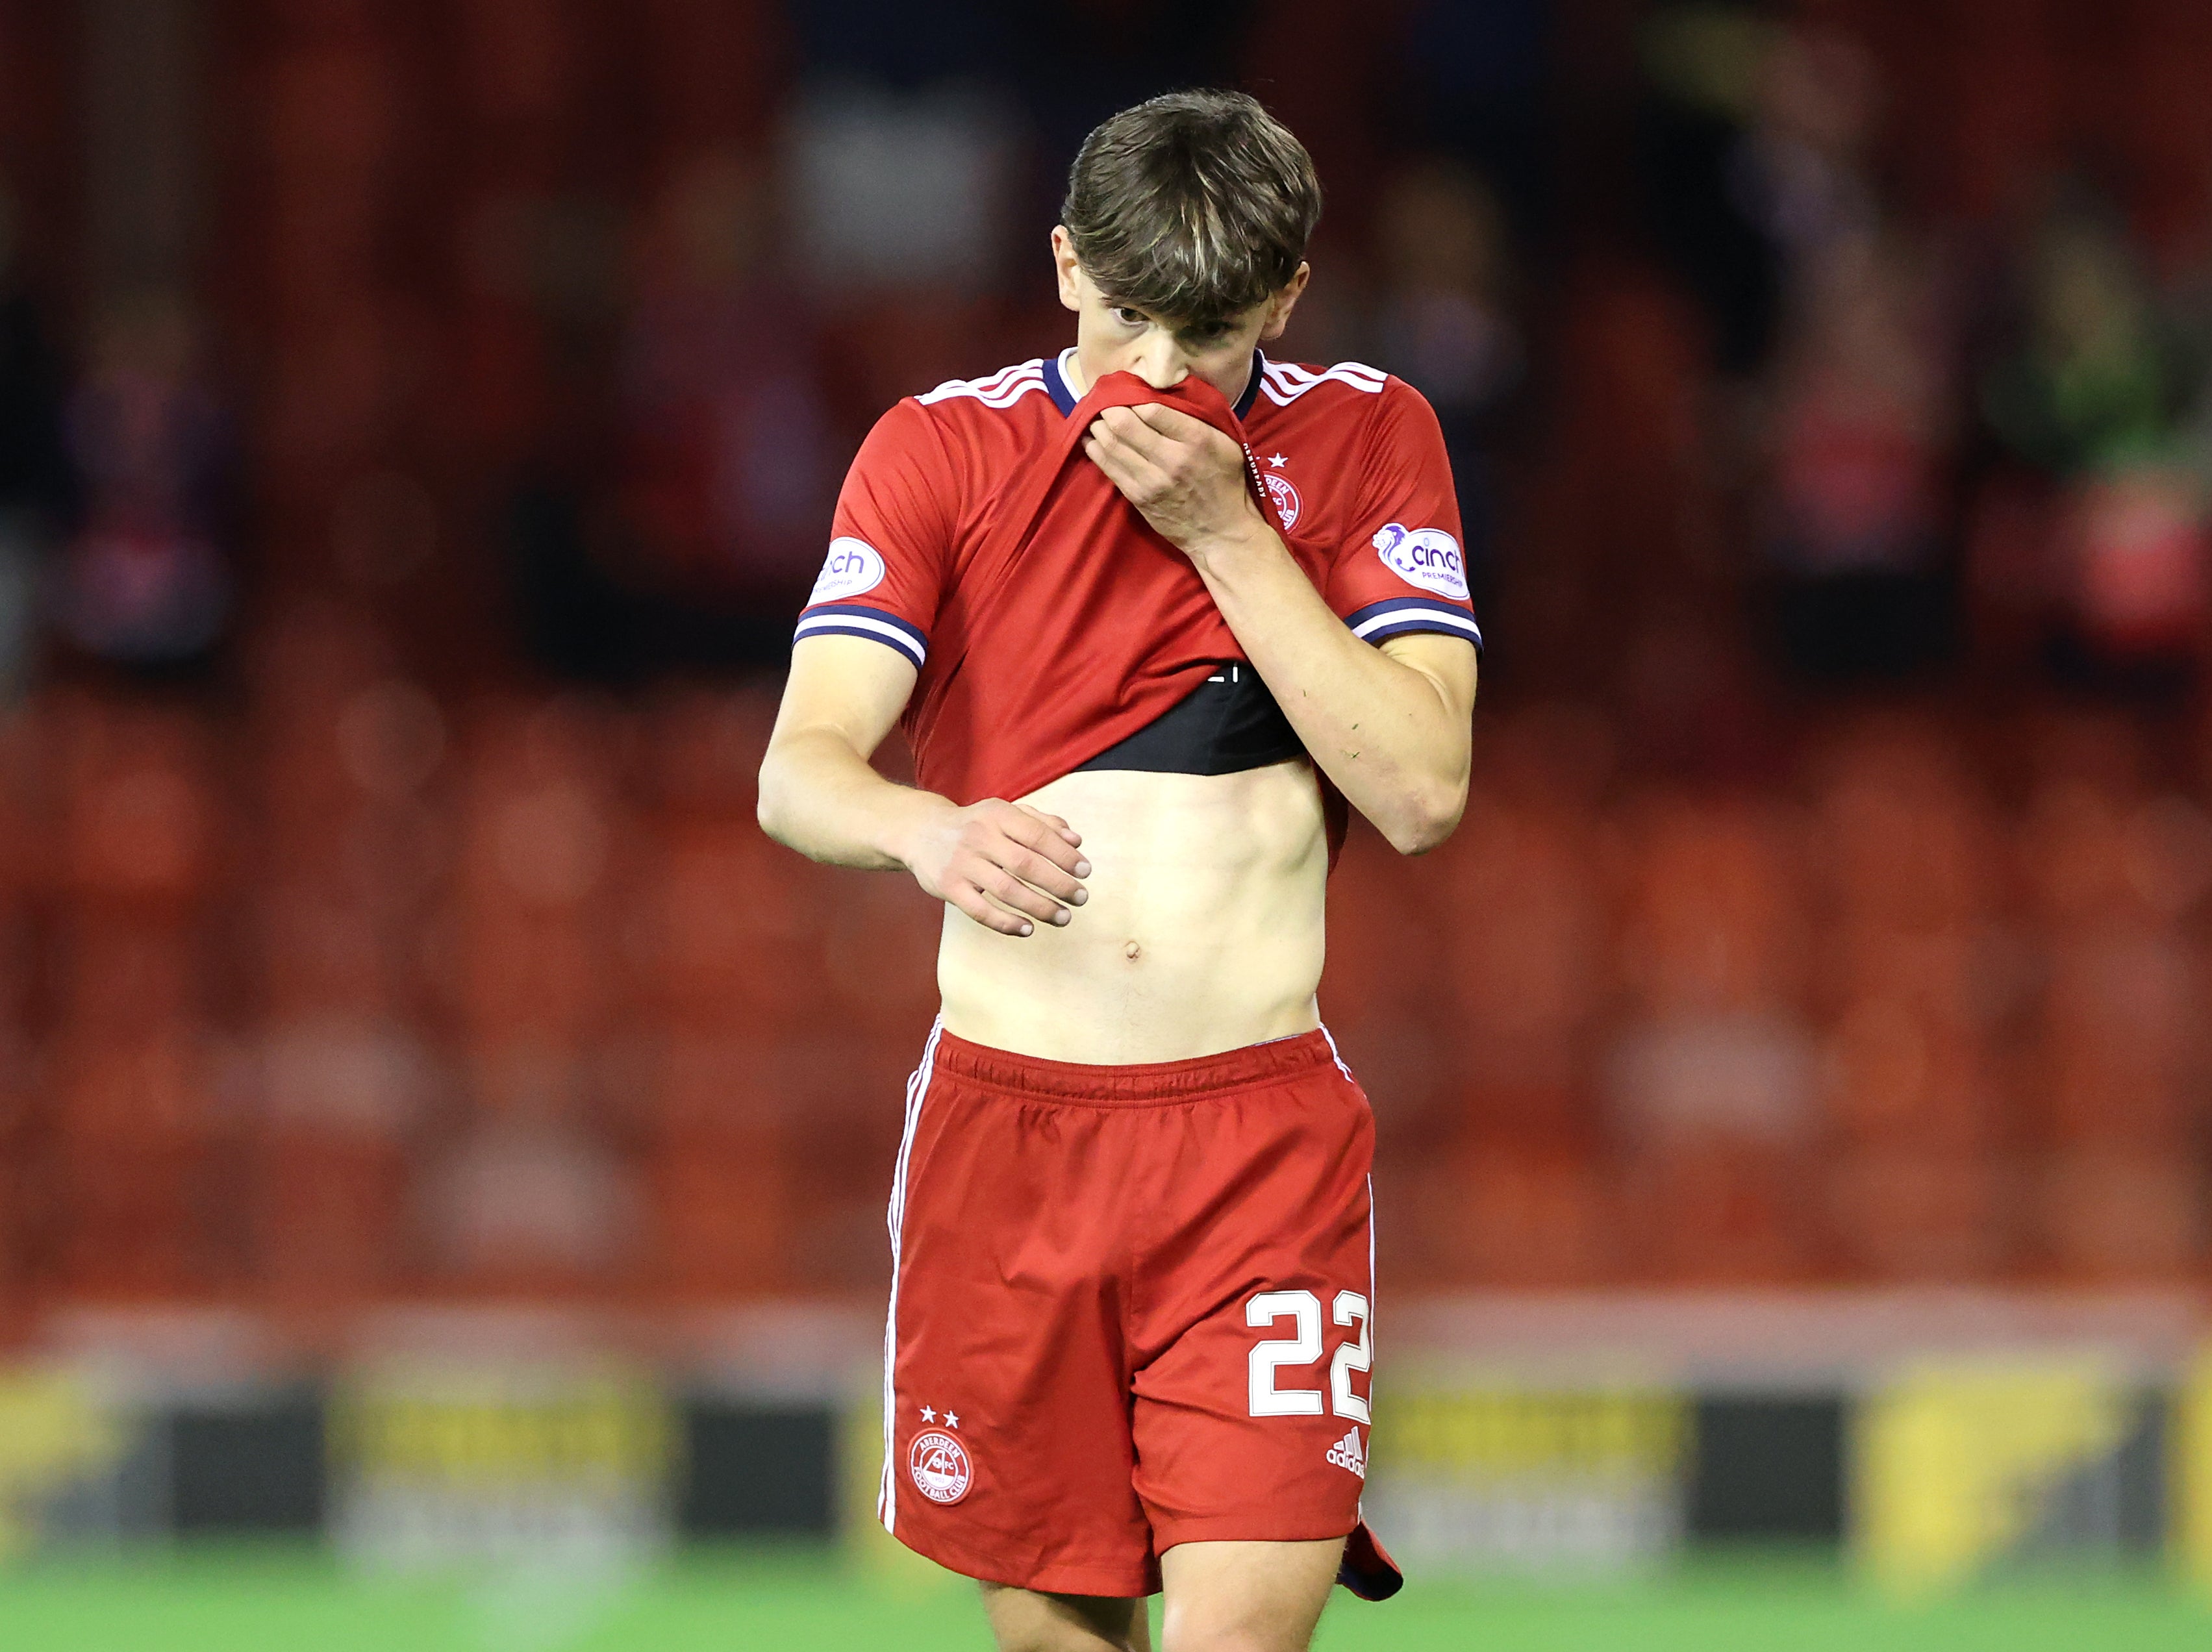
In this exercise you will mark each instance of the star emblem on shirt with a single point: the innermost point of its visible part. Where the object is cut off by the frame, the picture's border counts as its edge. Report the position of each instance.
(928, 1415)
(952, 1419)
(1276, 461)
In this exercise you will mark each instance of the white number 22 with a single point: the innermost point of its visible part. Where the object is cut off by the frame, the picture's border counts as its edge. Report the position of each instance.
(1303, 1348)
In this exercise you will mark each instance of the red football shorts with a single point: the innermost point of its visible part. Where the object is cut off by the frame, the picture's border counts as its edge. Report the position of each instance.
(1130, 1309)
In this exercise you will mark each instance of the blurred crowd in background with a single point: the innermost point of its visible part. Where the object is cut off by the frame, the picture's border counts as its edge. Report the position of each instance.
(419, 425)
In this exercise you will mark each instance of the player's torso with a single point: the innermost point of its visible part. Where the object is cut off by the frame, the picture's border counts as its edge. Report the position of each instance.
(1204, 926)
(1203, 930)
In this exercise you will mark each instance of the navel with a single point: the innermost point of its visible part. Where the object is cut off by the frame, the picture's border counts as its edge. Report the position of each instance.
(1133, 951)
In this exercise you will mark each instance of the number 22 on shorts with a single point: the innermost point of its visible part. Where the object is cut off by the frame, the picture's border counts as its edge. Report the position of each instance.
(1355, 1354)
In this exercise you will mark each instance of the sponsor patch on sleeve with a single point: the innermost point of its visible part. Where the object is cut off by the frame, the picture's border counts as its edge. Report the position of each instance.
(1427, 557)
(853, 566)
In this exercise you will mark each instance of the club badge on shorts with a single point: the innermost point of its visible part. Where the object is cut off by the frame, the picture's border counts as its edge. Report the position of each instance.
(939, 1466)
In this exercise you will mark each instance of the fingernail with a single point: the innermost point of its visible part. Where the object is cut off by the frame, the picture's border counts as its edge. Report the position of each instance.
(1027, 929)
(1079, 897)
(1082, 869)
(1061, 917)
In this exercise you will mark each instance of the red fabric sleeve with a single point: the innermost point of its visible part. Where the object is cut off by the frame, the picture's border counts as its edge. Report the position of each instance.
(892, 538)
(1402, 566)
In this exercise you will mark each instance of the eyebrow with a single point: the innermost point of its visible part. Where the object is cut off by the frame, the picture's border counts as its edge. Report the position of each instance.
(1189, 330)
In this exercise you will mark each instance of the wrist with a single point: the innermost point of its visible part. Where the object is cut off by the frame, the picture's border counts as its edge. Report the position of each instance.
(913, 817)
(1240, 543)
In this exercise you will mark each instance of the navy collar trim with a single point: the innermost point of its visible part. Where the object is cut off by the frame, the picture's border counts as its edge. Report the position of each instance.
(1064, 398)
(1251, 385)
(1055, 381)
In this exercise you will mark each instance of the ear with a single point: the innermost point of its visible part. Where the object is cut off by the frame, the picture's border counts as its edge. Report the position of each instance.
(1067, 269)
(1280, 306)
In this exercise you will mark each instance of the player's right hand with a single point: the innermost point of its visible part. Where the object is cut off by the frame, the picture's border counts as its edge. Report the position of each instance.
(1006, 865)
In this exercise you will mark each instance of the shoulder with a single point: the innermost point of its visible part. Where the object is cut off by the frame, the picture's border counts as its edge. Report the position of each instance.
(939, 451)
(995, 391)
(1346, 393)
(1362, 413)
(956, 407)
(966, 421)
(1347, 384)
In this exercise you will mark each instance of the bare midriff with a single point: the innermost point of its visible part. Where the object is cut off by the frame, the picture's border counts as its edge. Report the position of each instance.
(1203, 931)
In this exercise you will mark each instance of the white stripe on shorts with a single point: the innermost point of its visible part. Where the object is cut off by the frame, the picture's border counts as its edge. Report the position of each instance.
(1371, 1329)
(1370, 1292)
(916, 1088)
(1335, 1057)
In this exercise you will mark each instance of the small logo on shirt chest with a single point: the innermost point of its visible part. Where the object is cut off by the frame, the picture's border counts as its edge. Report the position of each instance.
(1282, 495)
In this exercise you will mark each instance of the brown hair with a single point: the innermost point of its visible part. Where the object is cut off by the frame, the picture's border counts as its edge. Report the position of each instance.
(1191, 206)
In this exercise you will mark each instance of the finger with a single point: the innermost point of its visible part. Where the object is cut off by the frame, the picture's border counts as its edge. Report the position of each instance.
(1128, 426)
(1109, 444)
(1057, 847)
(1041, 874)
(1011, 892)
(1129, 439)
(1138, 480)
(1115, 461)
(970, 900)
(1053, 821)
(1173, 423)
(1133, 430)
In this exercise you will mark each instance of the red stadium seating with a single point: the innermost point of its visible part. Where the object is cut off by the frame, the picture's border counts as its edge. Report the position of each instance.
(367, 964)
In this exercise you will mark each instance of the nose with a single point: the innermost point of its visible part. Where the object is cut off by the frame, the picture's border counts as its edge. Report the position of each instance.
(1159, 362)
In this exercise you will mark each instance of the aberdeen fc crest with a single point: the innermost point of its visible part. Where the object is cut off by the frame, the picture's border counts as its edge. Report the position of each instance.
(1285, 497)
(939, 1466)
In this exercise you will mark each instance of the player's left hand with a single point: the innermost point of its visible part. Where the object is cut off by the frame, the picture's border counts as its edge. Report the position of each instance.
(1184, 476)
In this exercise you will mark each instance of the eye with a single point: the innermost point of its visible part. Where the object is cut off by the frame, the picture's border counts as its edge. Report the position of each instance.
(1129, 317)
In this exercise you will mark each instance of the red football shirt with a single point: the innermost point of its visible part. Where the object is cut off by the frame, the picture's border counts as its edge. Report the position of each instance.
(1097, 625)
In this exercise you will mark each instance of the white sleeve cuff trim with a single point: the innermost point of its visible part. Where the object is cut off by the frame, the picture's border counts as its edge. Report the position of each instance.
(861, 626)
(1418, 618)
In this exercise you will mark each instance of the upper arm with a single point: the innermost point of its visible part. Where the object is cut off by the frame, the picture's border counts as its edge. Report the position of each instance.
(1400, 569)
(845, 686)
(1449, 662)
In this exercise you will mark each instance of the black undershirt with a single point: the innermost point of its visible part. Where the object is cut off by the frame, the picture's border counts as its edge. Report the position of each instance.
(1226, 725)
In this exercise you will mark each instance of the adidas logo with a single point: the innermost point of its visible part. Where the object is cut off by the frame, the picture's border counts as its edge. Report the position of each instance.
(1346, 1453)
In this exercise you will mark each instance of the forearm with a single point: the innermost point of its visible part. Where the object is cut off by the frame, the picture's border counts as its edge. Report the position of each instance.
(1387, 733)
(1005, 865)
(819, 796)
(1393, 733)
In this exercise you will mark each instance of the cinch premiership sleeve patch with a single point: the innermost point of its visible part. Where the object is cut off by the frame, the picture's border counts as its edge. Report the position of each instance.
(1401, 568)
(851, 567)
(1428, 557)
